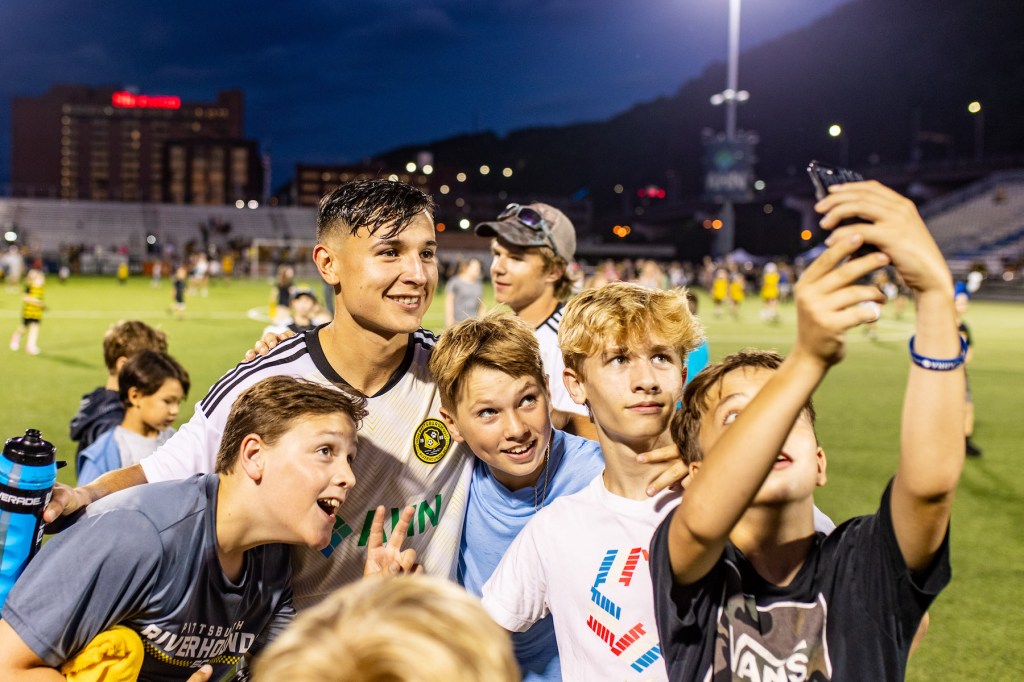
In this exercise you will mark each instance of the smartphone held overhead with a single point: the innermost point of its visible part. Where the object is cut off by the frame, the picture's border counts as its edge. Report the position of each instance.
(824, 176)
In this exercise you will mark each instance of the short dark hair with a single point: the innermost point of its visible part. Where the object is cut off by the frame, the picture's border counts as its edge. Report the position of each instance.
(371, 204)
(146, 371)
(269, 408)
(685, 427)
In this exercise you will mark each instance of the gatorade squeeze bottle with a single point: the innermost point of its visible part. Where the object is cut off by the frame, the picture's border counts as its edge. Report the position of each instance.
(27, 472)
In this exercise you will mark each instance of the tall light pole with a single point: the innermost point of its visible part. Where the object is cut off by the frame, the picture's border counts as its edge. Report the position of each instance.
(725, 238)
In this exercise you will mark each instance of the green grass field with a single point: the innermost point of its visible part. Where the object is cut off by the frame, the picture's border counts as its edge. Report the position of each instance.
(975, 621)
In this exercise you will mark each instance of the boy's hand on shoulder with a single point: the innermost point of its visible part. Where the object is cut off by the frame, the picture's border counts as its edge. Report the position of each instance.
(893, 224)
(267, 343)
(828, 299)
(384, 560)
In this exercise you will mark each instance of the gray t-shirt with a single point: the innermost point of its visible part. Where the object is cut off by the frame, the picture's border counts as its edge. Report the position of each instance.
(467, 297)
(146, 558)
(134, 448)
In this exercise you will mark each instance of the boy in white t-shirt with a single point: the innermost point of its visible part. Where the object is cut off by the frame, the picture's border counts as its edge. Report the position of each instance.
(584, 558)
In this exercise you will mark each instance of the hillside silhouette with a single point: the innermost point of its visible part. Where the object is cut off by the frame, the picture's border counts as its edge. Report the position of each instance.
(883, 69)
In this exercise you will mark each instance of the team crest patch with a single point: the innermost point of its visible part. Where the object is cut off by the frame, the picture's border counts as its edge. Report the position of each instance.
(432, 441)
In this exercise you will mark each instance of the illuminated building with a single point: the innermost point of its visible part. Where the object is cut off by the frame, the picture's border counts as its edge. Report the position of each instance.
(109, 144)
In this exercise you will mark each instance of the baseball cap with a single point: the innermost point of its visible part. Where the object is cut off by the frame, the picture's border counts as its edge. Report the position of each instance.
(304, 292)
(518, 225)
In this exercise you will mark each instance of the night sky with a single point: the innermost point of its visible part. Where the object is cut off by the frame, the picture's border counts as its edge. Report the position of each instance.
(336, 81)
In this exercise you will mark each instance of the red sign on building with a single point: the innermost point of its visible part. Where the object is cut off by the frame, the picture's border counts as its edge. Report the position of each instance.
(128, 100)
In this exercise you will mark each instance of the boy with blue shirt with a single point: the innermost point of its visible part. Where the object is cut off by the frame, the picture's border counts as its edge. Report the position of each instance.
(494, 397)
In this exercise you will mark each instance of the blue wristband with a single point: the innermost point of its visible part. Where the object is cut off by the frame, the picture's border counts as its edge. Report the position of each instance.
(939, 365)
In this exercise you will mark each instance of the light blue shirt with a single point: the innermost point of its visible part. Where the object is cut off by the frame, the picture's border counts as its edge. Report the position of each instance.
(696, 360)
(494, 517)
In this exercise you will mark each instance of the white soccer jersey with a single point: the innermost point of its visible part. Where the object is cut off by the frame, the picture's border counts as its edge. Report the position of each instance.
(405, 456)
(551, 356)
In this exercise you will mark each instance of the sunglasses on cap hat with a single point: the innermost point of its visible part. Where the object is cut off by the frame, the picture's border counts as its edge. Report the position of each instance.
(530, 218)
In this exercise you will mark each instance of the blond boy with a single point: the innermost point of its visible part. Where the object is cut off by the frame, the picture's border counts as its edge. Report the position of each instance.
(583, 558)
(745, 587)
(416, 628)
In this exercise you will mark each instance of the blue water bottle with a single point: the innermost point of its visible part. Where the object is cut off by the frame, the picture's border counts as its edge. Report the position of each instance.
(28, 470)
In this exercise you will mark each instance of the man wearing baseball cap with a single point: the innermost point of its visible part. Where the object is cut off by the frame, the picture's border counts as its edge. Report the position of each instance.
(532, 246)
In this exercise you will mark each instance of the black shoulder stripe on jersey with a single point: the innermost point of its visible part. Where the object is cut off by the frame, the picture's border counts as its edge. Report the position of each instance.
(232, 379)
(425, 338)
(249, 365)
(554, 319)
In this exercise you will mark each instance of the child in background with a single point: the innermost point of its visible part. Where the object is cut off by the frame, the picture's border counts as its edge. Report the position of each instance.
(281, 294)
(463, 293)
(737, 292)
(305, 314)
(101, 410)
(151, 385)
(720, 290)
(32, 307)
(180, 284)
(770, 292)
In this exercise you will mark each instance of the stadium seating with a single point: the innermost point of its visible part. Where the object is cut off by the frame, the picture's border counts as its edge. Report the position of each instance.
(982, 222)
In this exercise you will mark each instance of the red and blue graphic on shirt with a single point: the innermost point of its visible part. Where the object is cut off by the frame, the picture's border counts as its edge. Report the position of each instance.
(635, 642)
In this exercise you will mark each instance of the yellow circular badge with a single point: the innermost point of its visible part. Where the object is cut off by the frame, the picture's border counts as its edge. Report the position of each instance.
(432, 441)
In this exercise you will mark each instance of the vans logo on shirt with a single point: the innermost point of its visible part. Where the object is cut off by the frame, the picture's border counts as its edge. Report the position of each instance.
(784, 641)
(432, 441)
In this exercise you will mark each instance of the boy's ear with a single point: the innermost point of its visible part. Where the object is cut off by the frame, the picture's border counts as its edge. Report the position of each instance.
(694, 468)
(554, 273)
(325, 260)
(252, 457)
(133, 395)
(822, 466)
(453, 428)
(119, 363)
(577, 391)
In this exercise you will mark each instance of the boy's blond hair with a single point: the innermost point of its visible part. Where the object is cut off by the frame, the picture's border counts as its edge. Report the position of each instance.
(269, 408)
(685, 428)
(499, 340)
(625, 315)
(128, 337)
(409, 629)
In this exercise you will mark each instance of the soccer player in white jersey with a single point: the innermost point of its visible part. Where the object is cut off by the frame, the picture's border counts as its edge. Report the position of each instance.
(532, 246)
(375, 246)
